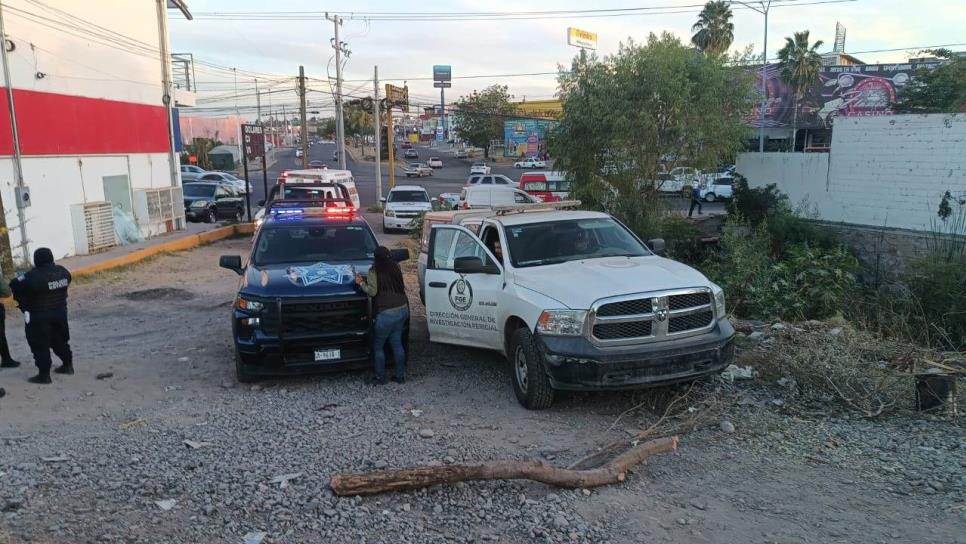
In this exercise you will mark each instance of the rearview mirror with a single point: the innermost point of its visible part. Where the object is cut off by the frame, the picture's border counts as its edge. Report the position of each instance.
(399, 255)
(231, 262)
(657, 245)
(473, 265)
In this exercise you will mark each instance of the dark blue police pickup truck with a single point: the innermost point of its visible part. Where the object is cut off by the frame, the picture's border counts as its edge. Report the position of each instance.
(298, 309)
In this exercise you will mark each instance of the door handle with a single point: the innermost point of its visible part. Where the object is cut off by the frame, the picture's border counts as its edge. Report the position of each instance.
(437, 284)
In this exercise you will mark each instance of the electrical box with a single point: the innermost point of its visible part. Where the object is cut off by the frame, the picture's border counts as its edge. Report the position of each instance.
(23, 196)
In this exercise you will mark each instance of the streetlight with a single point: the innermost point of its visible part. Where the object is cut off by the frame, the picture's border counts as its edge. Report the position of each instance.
(765, 5)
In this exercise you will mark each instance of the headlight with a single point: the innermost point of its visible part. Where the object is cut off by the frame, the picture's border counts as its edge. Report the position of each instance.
(199, 204)
(390, 213)
(719, 301)
(562, 322)
(249, 305)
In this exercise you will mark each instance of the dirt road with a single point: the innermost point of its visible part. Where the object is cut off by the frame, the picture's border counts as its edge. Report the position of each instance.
(105, 460)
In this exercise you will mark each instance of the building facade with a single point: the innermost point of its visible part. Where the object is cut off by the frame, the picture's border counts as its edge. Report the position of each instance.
(91, 91)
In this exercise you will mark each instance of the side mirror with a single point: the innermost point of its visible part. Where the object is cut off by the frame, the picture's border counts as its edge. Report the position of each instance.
(473, 265)
(657, 246)
(260, 203)
(231, 262)
(399, 255)
(383, 200)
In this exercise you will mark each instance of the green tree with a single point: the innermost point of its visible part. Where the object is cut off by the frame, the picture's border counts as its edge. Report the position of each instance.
(481, 114)
(799, 64)
(938, 90)
(714, 30)
(648, 107)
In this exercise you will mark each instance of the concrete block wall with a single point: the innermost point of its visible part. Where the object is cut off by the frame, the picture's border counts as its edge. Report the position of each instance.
(889, 171)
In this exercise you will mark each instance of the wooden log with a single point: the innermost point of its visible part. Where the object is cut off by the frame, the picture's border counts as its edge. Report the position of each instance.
(380, 481)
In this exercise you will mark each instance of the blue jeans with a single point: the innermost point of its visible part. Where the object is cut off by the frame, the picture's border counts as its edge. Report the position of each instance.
(389, 326)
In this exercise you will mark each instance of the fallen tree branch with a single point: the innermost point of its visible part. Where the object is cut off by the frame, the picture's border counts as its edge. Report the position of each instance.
(369, 483)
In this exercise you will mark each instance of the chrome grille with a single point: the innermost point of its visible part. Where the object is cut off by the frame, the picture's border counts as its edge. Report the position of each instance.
(650, 317)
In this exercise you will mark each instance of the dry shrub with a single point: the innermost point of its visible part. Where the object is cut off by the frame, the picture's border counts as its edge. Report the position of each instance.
(854, 369)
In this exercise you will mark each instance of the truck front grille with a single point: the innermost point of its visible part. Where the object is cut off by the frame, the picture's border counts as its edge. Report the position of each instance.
(652, 316)
(305, 318)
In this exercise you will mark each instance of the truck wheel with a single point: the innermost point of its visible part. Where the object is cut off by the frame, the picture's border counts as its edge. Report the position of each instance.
(529, 374)
(239, 215)
(710, 197)
(240, 374)
(211, 216)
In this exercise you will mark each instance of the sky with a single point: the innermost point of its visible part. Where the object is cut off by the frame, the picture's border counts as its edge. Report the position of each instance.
(405, 50)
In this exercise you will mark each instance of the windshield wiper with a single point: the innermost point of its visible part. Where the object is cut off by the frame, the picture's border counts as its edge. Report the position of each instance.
(540, 262)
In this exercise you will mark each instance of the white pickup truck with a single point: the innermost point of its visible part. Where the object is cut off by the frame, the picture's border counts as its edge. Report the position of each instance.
(573, 299)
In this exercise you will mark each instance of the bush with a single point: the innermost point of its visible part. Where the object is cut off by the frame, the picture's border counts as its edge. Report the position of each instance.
(756, 205)
(936, 301)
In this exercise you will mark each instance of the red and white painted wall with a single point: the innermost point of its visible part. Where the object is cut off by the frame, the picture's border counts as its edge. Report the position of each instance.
(92, 123)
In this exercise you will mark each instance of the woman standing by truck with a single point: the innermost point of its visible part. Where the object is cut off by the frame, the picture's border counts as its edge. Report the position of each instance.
(391, 307)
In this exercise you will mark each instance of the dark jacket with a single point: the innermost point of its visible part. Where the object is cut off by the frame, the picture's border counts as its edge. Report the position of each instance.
(43, 290)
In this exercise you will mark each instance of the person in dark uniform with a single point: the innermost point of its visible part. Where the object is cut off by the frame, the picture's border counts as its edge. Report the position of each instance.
(695, 200)
(42, 296)
(6, 361)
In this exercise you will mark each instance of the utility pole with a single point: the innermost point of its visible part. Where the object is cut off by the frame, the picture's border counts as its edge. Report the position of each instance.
(339, 122)
(304, 127)
(284, 126)
(765, 5)
(375, 117)
(258, 103)
(237, 115)
(391, 136)
(6, 252)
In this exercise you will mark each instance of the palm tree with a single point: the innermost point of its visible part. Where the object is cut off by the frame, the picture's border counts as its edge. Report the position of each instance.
(714, 31)
(799, 64)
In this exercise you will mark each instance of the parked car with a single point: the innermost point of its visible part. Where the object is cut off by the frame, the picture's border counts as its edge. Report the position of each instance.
(209, 201)
(574, 300)
(718, 189)
(403, 205)
(489, 179)
(461, 154)
(435, 162)
(479, 167)
(296, 309)
(545, 186)
(417, 170)
(190, 172)
(317, 164)
(668, 184)
(487, 196)
(298, 152)
(411, 154)
(240, 185)
(530, 162)
(406, 145)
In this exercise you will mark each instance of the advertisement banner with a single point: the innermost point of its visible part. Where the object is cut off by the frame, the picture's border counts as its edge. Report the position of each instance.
(526, 137)
(840, 91)
(581, 38)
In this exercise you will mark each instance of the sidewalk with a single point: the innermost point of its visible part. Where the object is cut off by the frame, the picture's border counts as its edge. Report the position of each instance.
(194, 235)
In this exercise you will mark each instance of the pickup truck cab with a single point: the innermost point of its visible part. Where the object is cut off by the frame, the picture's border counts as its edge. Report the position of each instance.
(403, 205)
(575, 301)
(297, 309)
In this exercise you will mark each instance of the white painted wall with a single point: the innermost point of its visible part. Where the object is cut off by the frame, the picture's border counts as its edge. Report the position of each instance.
(48, 217)
(881, 171)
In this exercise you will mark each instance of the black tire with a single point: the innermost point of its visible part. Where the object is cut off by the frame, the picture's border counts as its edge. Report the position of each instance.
(384, 229)
(239, 215)
(211, 216)
(240, 374)
(710, 197)
(526, 364)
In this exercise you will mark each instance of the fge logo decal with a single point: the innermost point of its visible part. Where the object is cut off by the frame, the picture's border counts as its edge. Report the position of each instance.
(461, 295)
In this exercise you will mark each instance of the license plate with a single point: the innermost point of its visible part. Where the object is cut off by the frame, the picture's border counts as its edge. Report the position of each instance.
(328, 354)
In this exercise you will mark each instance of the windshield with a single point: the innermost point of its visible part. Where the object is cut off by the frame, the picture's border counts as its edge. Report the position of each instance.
(561, 241)
(281, 245)
(408, 196)
(198, 189)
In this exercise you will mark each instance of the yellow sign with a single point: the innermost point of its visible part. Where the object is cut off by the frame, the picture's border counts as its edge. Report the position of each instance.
(544, 109)
(581, 38)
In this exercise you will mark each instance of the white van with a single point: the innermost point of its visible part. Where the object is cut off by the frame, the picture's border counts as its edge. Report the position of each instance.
(487, 196)
(323, 176)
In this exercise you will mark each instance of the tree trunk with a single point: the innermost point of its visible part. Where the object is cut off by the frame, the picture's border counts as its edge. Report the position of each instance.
(795, 123)
(369, 483)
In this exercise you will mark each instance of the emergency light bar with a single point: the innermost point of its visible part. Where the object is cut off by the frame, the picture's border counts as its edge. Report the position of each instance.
(518, 208)
(341, 206)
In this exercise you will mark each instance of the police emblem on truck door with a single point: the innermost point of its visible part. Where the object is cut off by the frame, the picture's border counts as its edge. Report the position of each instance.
(461, 295)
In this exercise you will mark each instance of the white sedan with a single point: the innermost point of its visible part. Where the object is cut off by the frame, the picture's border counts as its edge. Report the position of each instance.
(530, 162)
(479, 168)
(435, 162)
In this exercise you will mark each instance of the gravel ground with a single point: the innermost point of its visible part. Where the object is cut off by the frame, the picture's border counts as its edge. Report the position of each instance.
(170, 449)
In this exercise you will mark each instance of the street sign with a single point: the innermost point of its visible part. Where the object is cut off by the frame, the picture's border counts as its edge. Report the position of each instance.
(254, 141)
(440, 134)
(581, 38)
(442, 72)
(398, 96)
(442, 84)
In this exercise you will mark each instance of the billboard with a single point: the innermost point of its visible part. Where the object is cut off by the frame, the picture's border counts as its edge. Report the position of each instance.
(581, 38)
(442, 72)
(526, 137)
(254, 141)
(860, 90)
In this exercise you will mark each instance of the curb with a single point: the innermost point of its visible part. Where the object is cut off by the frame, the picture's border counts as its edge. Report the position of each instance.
(181, 244)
